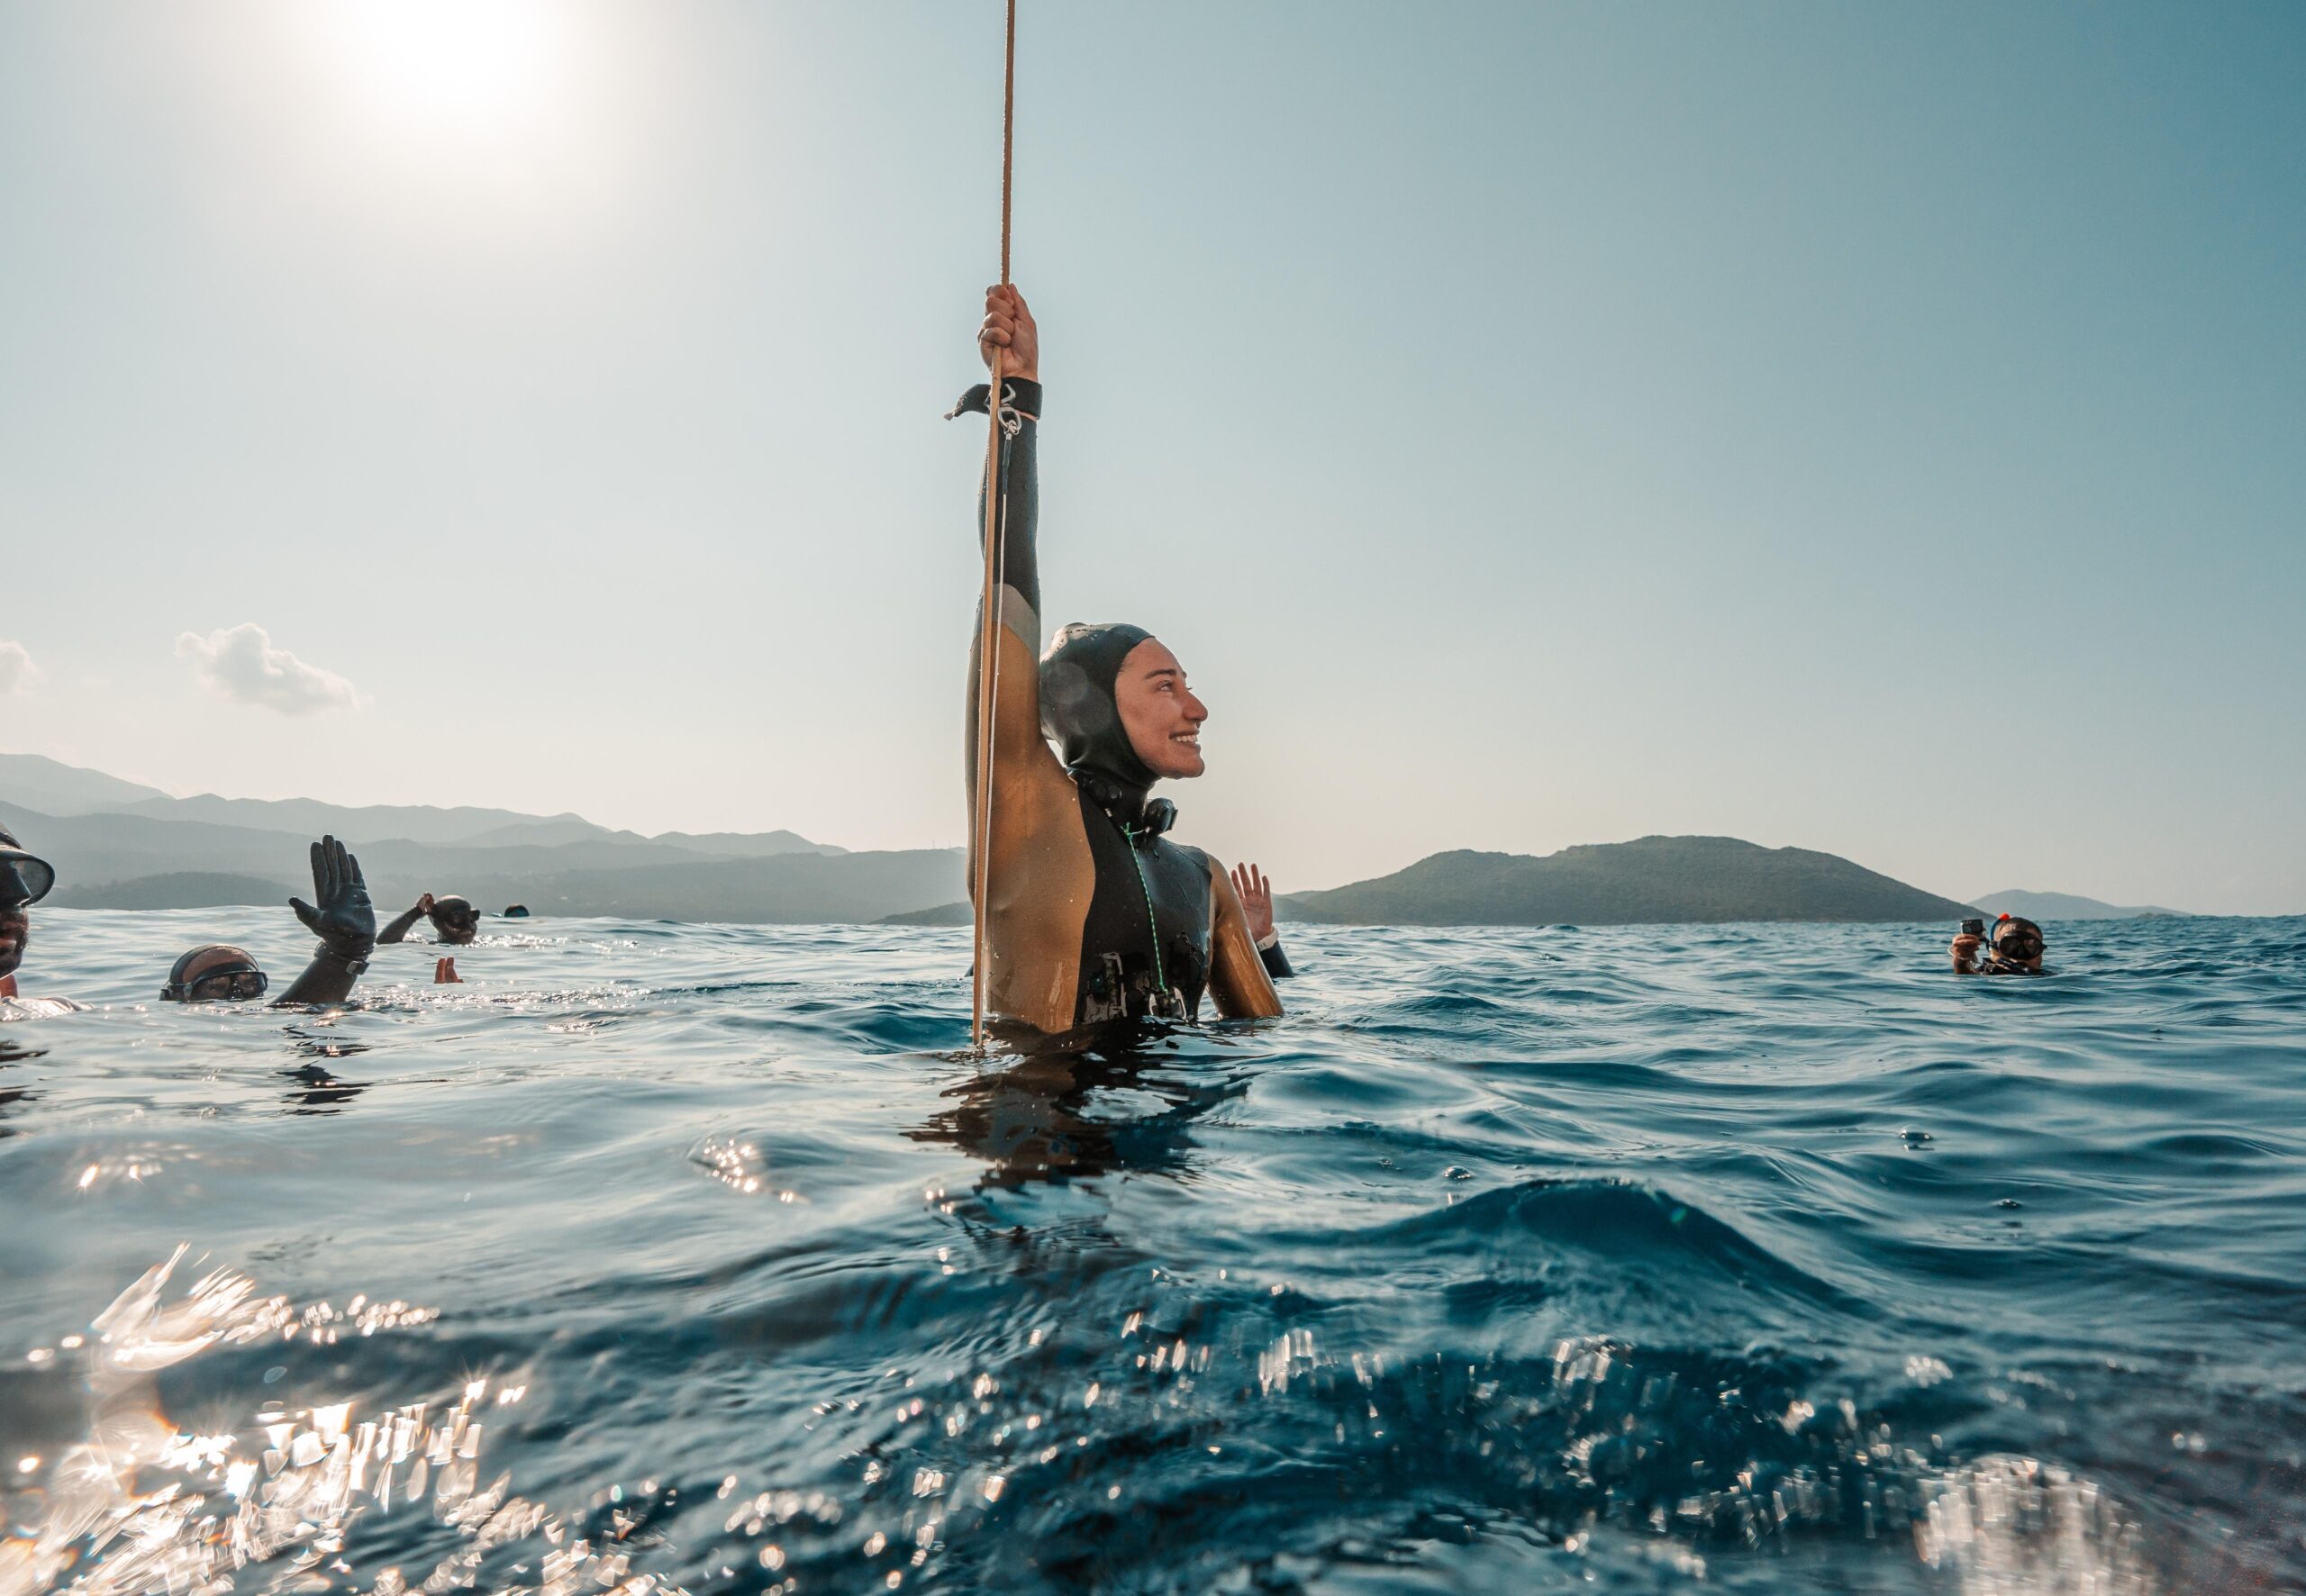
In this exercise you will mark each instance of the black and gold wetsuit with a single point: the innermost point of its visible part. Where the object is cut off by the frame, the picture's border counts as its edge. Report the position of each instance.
(1094, 914)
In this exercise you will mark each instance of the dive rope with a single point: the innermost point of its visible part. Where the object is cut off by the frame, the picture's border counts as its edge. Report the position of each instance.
(996, 528)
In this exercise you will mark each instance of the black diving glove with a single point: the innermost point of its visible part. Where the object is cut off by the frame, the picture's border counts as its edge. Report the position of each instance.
(345, 922)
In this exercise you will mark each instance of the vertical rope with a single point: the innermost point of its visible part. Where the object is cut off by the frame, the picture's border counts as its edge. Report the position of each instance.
(1008, 129)
(996, 539)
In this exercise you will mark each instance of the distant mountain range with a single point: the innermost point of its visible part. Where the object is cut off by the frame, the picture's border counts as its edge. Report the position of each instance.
(119, 845)
(2049, 906)
(179, 889)
(1657, 880)
(50, 787)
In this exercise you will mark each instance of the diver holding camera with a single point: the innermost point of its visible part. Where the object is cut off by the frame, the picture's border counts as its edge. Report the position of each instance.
(2015, 949)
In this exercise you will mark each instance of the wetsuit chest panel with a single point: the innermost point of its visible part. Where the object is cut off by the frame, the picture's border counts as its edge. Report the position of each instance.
(1145, 945)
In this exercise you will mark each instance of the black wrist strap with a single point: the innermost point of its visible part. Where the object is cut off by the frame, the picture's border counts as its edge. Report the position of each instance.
(1017, 393)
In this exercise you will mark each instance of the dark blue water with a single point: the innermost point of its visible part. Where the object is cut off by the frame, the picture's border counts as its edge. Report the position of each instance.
(667, 1256)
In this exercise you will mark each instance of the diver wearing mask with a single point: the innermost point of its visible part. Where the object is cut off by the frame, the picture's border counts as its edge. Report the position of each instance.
(2016, 948)
(340, 916)
(455, 921)
(24, 881)
(1095, 915)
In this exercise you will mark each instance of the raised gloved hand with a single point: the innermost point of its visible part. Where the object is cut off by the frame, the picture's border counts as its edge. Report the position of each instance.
(345, 922)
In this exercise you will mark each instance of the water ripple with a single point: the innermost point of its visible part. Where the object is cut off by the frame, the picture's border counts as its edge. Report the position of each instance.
(703, 1259)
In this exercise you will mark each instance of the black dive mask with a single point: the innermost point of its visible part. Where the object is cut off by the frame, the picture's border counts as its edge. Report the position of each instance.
(24, 879)
(2018, 944)
(236, 979)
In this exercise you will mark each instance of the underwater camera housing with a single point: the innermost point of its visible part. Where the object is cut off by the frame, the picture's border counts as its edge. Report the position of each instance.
(1973, 928)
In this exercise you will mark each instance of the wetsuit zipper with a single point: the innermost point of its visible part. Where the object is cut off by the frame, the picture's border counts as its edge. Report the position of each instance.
(1161, 977)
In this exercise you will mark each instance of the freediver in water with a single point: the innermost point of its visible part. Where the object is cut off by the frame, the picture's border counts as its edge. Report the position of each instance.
(2016, 948)
(1093, 913)
(340, 916)
(455, 921)
(1256, 893)
(215, 973)
(24, 881)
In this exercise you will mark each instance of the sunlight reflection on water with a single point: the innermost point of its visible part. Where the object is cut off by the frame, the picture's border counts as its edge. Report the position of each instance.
(1507, 1260)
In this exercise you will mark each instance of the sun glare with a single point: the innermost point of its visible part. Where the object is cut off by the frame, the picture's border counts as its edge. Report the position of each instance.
(464, 70)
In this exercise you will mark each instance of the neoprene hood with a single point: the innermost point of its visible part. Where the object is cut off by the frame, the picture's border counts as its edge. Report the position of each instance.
(1079, 713)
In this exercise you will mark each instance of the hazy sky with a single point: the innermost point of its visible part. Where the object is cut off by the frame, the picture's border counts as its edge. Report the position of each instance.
(1872, 427)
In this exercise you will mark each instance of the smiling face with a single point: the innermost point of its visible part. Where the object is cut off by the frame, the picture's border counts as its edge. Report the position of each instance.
(1160, 713)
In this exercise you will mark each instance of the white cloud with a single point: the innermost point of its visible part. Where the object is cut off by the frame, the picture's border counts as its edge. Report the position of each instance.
(240, 663)
(17, 671)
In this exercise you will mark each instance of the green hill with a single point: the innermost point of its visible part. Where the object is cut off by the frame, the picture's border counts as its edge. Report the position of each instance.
(1654, 881)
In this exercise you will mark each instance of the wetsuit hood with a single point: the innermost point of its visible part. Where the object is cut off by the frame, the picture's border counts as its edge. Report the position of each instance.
(455, 919)
(209, 961)
(1080, 716)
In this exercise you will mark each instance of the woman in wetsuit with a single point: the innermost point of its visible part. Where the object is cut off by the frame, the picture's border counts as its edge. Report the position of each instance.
(1093, 913)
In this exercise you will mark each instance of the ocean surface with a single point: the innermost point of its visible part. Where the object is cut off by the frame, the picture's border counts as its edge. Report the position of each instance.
(707, 1259)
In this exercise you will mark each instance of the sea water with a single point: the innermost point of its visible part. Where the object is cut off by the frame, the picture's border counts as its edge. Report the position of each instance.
(705, 1258)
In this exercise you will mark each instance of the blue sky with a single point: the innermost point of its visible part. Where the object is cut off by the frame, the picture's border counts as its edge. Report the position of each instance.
(1871, 428)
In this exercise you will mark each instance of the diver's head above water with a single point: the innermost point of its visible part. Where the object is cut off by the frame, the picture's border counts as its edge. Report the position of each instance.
(24, 881)
(2018, 942)
(454, 919)
(215, 973)
(1116, 703)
